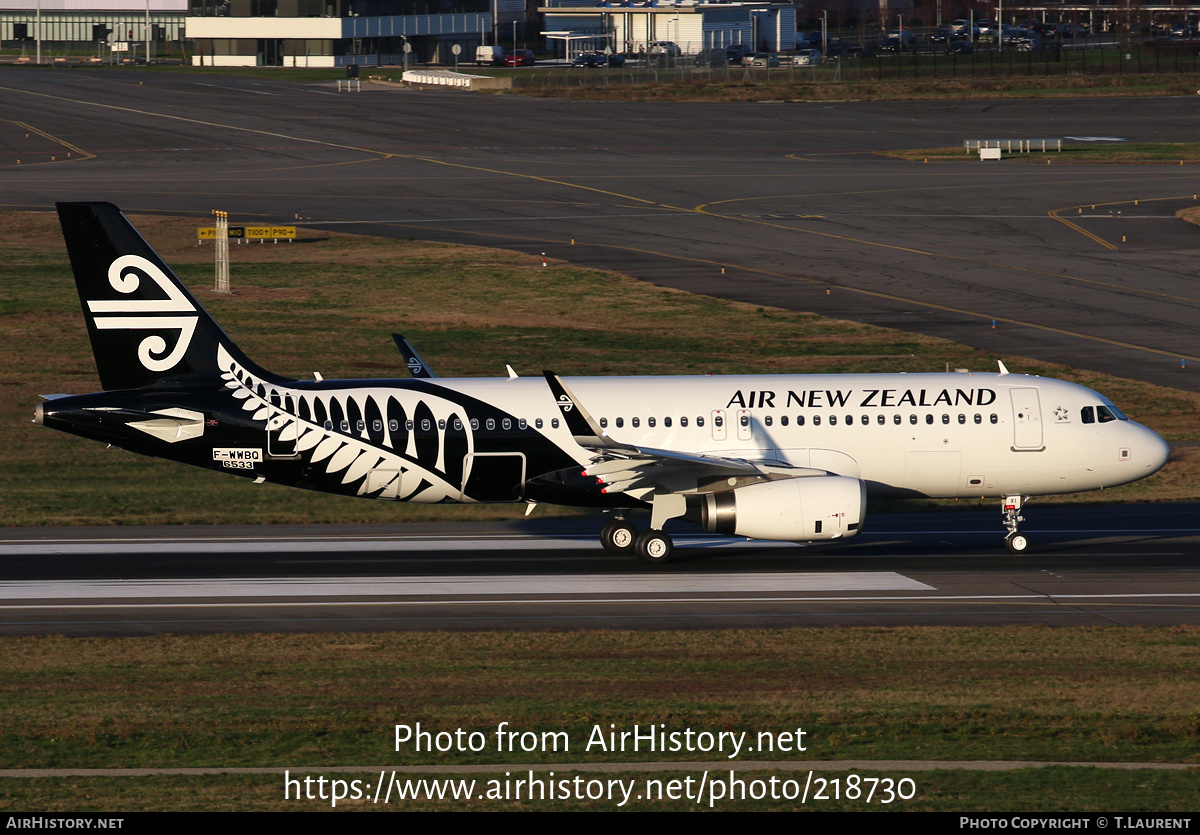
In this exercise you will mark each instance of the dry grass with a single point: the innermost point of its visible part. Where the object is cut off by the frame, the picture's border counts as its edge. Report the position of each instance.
(782, 87)
(938, 693)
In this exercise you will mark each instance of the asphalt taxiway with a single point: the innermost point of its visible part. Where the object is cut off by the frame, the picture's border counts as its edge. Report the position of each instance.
(774, 203)
(1092, 565)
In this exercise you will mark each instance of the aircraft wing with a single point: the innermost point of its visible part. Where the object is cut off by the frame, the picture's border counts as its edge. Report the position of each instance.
(639, 470)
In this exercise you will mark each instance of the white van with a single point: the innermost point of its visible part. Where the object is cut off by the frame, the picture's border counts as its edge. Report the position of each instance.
(489, 56)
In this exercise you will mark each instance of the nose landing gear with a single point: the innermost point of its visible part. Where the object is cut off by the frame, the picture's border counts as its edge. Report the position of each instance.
(1015, 541)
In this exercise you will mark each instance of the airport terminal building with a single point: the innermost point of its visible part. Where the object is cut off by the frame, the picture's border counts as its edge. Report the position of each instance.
(241, 33)
(62, 26)
(334, 33)
(637, 27)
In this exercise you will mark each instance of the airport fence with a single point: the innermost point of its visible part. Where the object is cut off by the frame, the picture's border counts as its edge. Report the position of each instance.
(1107, 61)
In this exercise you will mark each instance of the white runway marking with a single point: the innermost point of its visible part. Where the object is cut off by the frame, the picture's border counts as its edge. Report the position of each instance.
(530, 584)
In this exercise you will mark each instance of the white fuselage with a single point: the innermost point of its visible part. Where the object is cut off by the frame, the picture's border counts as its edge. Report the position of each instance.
(944, 435)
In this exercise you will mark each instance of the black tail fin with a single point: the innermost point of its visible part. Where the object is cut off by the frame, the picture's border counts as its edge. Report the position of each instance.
(145, 326)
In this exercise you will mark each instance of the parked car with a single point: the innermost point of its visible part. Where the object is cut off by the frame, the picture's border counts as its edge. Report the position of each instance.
(807, 57)
(668, 48)
(762, 59)
(598, 59)
(520, 58)
(738, 52)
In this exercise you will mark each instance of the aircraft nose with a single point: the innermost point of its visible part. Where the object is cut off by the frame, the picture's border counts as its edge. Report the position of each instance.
(1152, 450)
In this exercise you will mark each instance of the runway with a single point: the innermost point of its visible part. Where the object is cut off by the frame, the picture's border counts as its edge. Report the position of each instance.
(772, 203)
(906, 569)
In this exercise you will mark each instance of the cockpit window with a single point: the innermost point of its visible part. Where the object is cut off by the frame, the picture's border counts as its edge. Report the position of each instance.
(1087, 414)
(1104, 415)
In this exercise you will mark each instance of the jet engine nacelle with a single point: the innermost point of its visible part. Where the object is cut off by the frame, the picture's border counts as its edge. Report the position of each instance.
(791, 509)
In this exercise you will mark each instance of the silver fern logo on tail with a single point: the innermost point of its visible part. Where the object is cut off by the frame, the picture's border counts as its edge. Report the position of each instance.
(125, 275)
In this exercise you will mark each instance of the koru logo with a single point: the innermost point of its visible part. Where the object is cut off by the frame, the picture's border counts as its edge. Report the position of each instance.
(414, 364)
(565, 403)
(125, 275)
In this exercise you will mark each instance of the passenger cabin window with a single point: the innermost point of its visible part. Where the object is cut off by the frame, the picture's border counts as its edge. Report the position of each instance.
(553, 423)
(783, 420)
(491, 424)
(667, 422)
(744, 420)
(816, 420)
(650, 422)
(700, 421)
(523, 424)
(799, 420)
(604, 423)
(507, 423)
(768, 420)
(832, 420)
(683, 421)
(994, 418)
(636, 422)
(475, 424)
(620, 422)
(719, 420)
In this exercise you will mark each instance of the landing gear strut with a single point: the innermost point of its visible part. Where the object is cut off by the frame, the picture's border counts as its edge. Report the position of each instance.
(1016, 541)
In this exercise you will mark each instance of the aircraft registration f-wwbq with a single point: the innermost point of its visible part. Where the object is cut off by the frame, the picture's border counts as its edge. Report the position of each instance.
(789, 458)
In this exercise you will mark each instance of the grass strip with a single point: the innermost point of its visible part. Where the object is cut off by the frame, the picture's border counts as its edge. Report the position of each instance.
(1102, 694)
(307, 702)
(1052, 789)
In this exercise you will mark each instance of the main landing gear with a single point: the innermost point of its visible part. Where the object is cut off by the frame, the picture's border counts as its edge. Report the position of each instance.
(1016, 541)
(620, 537)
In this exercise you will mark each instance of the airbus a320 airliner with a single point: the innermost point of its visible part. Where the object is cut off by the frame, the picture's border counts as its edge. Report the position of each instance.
(789, 458)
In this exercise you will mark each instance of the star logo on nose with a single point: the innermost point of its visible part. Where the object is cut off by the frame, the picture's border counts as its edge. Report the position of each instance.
(1060, 415)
